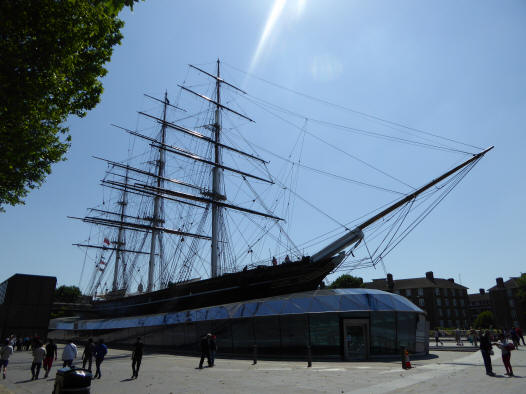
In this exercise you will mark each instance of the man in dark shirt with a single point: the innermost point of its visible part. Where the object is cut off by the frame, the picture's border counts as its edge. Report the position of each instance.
(137, 357)
(485, 349)
(205, 350)
(100, 351)
(87, 356)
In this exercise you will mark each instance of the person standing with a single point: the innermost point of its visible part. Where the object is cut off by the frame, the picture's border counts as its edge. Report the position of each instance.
(437, 336)
(39, 353)
(485, 349)
(213, 349)
(506, 347)
(69, 354)
(514, 337)
(205, 350)
(137, 357)
(51, 350)
(100, 351)
(5, 353)
(458, 337)
(87, 355)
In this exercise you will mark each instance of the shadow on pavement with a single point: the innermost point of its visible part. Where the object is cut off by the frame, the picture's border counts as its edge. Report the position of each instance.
(24, 381)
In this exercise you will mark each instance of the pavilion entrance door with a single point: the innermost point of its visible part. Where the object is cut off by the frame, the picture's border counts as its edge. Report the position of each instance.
(356, 339)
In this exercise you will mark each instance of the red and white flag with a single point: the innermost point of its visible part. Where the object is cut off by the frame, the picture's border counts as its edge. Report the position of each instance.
(106, 241)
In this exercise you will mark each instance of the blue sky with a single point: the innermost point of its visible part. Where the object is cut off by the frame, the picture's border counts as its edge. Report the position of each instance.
(453, 68)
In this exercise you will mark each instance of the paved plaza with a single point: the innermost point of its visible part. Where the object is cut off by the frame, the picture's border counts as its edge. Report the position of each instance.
(441, 372)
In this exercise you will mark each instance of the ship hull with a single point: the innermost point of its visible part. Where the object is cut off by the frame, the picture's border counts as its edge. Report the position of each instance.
(263, 281)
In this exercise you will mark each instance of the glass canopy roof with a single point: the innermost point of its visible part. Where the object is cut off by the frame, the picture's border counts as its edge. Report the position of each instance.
(318, 301)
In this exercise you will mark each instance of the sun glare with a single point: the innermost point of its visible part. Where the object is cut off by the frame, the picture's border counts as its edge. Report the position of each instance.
(275, 13)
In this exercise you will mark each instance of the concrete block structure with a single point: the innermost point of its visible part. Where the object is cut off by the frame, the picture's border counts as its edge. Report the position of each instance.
(25, 305)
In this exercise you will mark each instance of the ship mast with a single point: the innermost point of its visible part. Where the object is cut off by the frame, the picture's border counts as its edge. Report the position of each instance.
(216, 180)
(120, 239)
(156, 202)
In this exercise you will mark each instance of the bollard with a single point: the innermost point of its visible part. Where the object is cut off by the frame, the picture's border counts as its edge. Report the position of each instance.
(255, 354)
(309, 357)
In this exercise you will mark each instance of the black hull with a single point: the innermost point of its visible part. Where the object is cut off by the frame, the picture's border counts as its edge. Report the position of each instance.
(263, 281)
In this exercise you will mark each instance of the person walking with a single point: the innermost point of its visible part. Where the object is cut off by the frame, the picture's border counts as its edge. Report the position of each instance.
(5, 353)
(69, 354)
(39, 353)
(506, 348)
(205, 350)
(137, 357)
(87, 355)
(100, 352)
(213, 349)
(51, 351)
(519, 334)
(485, 349)
(437, 336)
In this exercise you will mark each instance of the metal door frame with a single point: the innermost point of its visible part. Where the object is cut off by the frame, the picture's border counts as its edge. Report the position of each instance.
(364, 323)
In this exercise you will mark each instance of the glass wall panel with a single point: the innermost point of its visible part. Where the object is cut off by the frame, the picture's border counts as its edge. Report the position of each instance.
(325, 334)
(191, 338)
(242, 335)
(268, 334)
(294, 334)
(406, 328)
(221, 329)
(383, 333)
(178, 335)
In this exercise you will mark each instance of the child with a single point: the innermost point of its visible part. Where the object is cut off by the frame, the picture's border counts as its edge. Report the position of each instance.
(406, 359)
(5, 353)
(506, 348)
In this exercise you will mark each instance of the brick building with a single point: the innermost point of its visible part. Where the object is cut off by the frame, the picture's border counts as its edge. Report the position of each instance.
(507, 307)
(445, 302)
(478, 303)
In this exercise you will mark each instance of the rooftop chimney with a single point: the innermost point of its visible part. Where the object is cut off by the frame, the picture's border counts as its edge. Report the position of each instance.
(500, 282)
(390, 282)
(451, 280)
(429, 275)
(482, 291)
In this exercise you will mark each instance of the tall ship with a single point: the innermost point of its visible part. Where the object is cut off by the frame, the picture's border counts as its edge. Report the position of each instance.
(196, 218)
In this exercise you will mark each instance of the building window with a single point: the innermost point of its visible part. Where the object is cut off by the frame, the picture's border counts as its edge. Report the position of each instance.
(448, 312)
(407, 292)
(454, 302)
(439, 302)
(440, 312)
(441, 323)
(421, 302)
(511, 301)
(461, 302)
(447, 301)
(420, 292)
(437, 291)
(513, 314)
(510, 292)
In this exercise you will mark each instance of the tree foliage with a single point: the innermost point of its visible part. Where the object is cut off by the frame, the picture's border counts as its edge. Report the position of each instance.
(52, 56)
(67, 294)
(346, 281)
(484, 320)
